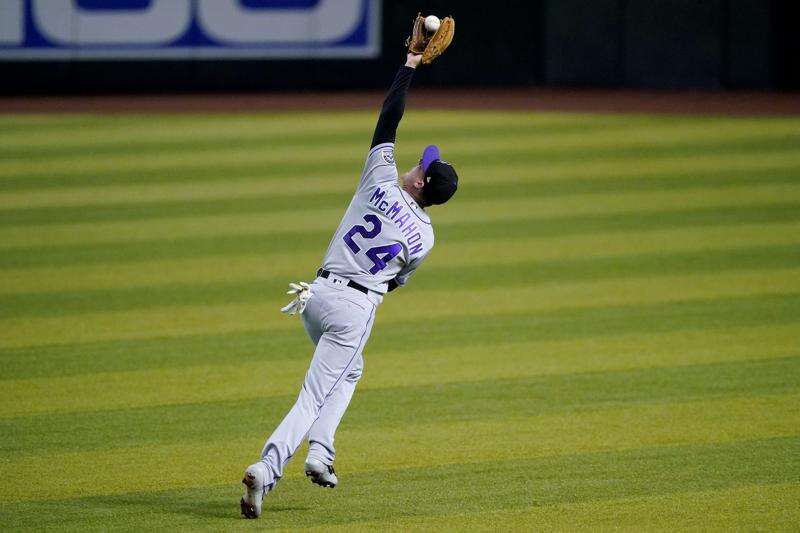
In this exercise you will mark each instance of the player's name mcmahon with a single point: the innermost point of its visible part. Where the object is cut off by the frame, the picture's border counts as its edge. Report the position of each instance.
(400, 214)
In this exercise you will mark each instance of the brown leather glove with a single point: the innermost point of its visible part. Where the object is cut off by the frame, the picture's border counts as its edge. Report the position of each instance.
(430, 45)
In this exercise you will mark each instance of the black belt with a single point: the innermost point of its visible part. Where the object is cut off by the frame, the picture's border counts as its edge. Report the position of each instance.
(322, 273)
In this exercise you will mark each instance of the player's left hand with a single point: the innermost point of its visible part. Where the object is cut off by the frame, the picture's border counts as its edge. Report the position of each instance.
(302, 292)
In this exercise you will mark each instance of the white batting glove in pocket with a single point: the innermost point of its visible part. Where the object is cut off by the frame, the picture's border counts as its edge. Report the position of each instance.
(302, 293)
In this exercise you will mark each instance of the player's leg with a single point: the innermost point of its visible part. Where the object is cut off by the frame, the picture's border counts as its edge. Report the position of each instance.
(346, 329)
(321, 451)
(255, 476)
(312, 323)
(321, 434)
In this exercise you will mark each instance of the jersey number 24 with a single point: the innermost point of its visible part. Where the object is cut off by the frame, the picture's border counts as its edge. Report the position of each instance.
(379, 255)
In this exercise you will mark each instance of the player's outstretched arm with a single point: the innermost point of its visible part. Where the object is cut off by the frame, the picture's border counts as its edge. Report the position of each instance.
(395, 102)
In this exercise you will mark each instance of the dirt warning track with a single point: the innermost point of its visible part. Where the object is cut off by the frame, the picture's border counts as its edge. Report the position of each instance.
(575, 100)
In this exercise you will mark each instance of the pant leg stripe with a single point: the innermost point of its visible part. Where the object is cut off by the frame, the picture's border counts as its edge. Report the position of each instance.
(358, 349)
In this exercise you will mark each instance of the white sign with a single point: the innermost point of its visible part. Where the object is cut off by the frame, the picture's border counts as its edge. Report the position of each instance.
(188, 29)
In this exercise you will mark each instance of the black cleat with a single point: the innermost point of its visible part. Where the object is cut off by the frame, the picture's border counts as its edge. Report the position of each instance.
(248, 511)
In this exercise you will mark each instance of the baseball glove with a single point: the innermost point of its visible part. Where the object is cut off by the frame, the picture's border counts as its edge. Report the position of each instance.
(430, 45)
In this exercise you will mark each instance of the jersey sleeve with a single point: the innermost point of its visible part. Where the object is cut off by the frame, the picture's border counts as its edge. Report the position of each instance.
(393, 107)
(379, 166)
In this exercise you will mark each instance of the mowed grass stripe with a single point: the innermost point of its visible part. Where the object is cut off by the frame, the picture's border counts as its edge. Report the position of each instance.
(282, 265)
(544, 146)
(448, 234)
(467, 211)
(552, 137)
(604, 425)
(222, 318)
(152, 322)
(770, 383)
(443, 276)
(530, 344)
(20, 395)
(639, 471)
(255, 195)
(255, 132)
(482, 167)
(472, 160)
(79, 130)
(351, 139)
(541, 500)
(285, 360)
(717, 502)
(355, 128)
(585, 477)
(719, 509)
(484, 394)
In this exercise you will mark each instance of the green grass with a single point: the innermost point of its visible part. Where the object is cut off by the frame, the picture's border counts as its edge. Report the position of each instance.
(606, 336)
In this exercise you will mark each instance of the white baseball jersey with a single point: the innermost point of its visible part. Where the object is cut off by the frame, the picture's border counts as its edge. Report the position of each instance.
(384, 234)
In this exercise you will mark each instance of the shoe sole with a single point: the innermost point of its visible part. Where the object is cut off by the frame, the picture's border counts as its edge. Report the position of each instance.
(248, 511)
(317, 481)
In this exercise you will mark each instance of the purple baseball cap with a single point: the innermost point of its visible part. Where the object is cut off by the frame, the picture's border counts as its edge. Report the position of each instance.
(441, 180)
(429, 155)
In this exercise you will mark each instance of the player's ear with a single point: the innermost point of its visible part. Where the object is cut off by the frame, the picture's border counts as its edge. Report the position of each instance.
(419, 179)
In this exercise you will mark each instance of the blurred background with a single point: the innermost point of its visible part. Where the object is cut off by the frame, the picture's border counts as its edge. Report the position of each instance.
(91, 46)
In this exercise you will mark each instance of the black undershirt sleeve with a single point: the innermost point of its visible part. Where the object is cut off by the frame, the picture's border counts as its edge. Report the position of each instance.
(393, 107)
(393, 285)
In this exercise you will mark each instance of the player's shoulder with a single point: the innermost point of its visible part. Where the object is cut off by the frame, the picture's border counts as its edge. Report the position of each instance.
(381, 155)
(380, 165)
(385, 151)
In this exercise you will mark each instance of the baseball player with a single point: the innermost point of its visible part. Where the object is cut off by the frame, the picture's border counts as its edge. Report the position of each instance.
(383, 238)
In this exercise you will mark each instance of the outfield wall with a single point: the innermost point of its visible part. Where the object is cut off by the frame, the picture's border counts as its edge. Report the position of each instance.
(197, 45)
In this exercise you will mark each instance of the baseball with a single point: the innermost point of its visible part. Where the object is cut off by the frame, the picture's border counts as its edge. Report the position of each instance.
(432, 23)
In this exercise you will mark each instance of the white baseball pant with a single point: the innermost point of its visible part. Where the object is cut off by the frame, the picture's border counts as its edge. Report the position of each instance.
(339, 320)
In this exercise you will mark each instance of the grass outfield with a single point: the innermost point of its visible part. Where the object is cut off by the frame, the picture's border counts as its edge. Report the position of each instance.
(607, 334)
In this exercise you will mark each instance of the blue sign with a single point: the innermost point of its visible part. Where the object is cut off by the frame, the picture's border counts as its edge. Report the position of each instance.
(188, 29)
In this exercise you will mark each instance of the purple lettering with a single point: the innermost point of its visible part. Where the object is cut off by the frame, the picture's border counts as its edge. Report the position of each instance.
(382, 205)
(363, 231)
(402, 220)
(377, 195)
(416, 249)
(408, 229)
(381, 255)
(411, 240)
(393, 210)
